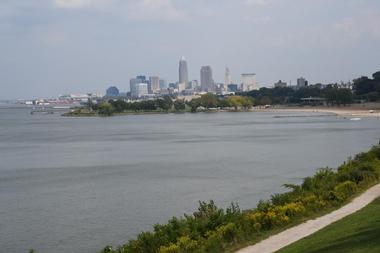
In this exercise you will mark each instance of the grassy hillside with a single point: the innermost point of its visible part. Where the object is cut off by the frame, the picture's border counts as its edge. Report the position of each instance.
(357, 233)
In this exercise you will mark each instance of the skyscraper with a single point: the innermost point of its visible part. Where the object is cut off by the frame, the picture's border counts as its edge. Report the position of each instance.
(183, 73)
(207, 83)
(227, 79)
(133, 86)
(301, 82)
(248, 82)
(154, 83)
(163, 84)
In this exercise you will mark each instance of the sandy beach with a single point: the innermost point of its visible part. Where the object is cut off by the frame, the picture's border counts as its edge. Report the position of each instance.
(351, 111)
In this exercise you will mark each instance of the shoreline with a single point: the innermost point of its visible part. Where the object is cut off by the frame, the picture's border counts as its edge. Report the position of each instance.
(367, 110)
(340, 112)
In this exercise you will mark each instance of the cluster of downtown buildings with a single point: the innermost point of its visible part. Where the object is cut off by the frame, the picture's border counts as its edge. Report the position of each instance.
(142, 87)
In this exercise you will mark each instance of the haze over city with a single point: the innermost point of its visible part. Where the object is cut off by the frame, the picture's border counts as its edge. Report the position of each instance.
(50, 47)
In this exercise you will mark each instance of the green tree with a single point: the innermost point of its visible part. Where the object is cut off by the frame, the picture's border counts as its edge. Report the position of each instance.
(194, 104)
(363, 85)
(265, 100)
(119, 105)
(209, 100)
(168, 103)
(179, 105)
(376, 76)
(235, 102)
(106, 109)
(247, 102)
(240, 101)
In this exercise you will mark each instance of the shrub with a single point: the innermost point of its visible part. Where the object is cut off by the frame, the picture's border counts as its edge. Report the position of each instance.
(366, 171)
(263, 205)
(106, 109)
(292, 209)
(323, 181)
(344, 190)
(282, 198)
(183, 245)
(312, 202)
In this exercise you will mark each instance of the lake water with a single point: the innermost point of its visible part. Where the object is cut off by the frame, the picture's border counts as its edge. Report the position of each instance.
(78, 184)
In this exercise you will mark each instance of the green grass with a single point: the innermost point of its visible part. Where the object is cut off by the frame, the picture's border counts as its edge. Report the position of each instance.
(356, 233)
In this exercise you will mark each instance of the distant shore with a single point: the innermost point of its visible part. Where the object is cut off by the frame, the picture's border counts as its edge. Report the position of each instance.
(355, 110)
(367, 110)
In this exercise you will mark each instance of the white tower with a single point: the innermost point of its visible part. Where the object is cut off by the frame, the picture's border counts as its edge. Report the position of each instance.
(227, 79)
(183, 73)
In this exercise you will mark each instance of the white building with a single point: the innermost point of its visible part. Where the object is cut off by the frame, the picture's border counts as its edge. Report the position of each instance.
(183, 72)
(139, 90)
(248, 82)
(193, 85)
(181, 87)
(155, 84)
(142, 90)
(133, 86)
(301, 82)
(227, 79)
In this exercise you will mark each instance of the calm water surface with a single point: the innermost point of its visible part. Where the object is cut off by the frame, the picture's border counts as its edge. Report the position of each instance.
(78, 184)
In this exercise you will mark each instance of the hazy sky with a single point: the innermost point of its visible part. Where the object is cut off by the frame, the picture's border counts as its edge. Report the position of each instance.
(50, 47)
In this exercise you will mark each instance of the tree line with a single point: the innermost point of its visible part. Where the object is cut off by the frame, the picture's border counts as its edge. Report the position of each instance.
(168, 104)
(364, 88)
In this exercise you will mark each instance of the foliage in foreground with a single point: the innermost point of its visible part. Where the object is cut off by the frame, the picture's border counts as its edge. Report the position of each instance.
(212, 229)
(357, 233)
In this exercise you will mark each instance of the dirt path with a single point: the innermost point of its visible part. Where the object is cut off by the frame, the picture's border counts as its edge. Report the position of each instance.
(276, 242)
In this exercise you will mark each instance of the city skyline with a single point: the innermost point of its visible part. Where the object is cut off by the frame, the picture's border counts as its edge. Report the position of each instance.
(51, 47)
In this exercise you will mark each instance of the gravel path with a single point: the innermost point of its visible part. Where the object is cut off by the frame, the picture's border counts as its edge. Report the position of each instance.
(289, 236)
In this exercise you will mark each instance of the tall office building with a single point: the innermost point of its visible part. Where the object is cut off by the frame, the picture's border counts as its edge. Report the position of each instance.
(154, 82)
(207, 83)
(142, 78)
(227, 79)
(142, 90)
(183, 73)
(248, 82)
(133, 86)
(163, 84)
(139, 90)
(301, 82)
